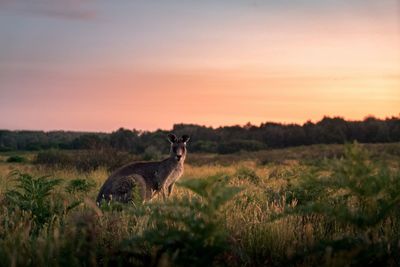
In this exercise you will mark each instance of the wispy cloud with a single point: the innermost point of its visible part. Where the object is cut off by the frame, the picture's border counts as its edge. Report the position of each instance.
(61, 9)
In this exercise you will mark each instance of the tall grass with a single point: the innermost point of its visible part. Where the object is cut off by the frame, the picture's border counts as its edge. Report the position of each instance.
(333, 211)
(351, 208)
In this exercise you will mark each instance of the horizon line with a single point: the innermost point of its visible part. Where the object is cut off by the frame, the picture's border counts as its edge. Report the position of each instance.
(207, 126)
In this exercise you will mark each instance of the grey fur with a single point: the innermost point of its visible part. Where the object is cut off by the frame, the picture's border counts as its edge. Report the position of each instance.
(151, 178)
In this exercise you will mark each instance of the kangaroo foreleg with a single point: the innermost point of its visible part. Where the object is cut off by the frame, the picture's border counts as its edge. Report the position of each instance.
(170, 189)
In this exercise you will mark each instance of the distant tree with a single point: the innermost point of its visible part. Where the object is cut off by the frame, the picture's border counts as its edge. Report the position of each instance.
(124, 139)
(203, 146)
(332, 130)
(89, 141)
(294, 135)
(393, 125)
(273, 134)
(233, 146)
(228, 139)
(374, 130)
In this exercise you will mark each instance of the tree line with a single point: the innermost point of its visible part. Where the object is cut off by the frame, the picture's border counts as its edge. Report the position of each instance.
(223, 140)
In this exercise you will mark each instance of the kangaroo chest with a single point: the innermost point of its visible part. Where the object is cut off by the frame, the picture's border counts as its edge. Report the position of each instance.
(175, 174)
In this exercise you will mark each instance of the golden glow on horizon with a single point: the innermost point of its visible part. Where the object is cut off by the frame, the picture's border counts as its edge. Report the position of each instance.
(151, 101)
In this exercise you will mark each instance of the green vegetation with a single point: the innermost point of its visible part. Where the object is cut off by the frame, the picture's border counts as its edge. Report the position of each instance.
(330, 205)
(31, 196)
(359, 199)
(83, 160)
(16, 159)
(222, 140)
(80, 185)
(187, 231)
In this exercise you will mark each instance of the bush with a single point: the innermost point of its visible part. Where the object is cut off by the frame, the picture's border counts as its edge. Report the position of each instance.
(32, 195)
(186, 232)
(248, 174)
(151, 153)
(16, 159)
(85, 160)
(239, 145)
(53, 158)
(204, 146)
(355, 203)
(80, 186)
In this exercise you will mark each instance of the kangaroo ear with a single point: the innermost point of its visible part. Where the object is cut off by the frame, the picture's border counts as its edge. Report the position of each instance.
(172, 138)
(185, 138)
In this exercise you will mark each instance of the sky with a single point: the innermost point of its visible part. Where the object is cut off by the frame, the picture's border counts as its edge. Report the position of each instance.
(99, 65)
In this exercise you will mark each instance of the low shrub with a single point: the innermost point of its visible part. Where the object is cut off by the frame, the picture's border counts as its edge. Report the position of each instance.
(248, 174)
(84, 160)
(80, 186)
(351, 209)
(16, 159)
(151, 153)
(33, 196)
(186, 232)
(233, 146)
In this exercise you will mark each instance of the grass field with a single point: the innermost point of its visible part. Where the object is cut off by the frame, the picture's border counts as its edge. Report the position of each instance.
(322, 205)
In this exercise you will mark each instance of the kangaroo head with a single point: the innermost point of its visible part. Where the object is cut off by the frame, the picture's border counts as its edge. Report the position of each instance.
(178, 146)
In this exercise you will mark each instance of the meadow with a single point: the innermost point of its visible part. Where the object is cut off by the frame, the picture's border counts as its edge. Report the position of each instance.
(318, 205)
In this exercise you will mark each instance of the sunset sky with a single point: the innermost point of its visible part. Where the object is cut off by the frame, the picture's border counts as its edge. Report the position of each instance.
(100, 65)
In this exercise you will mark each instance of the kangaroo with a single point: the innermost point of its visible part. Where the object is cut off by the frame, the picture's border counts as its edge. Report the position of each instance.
(151, 178)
